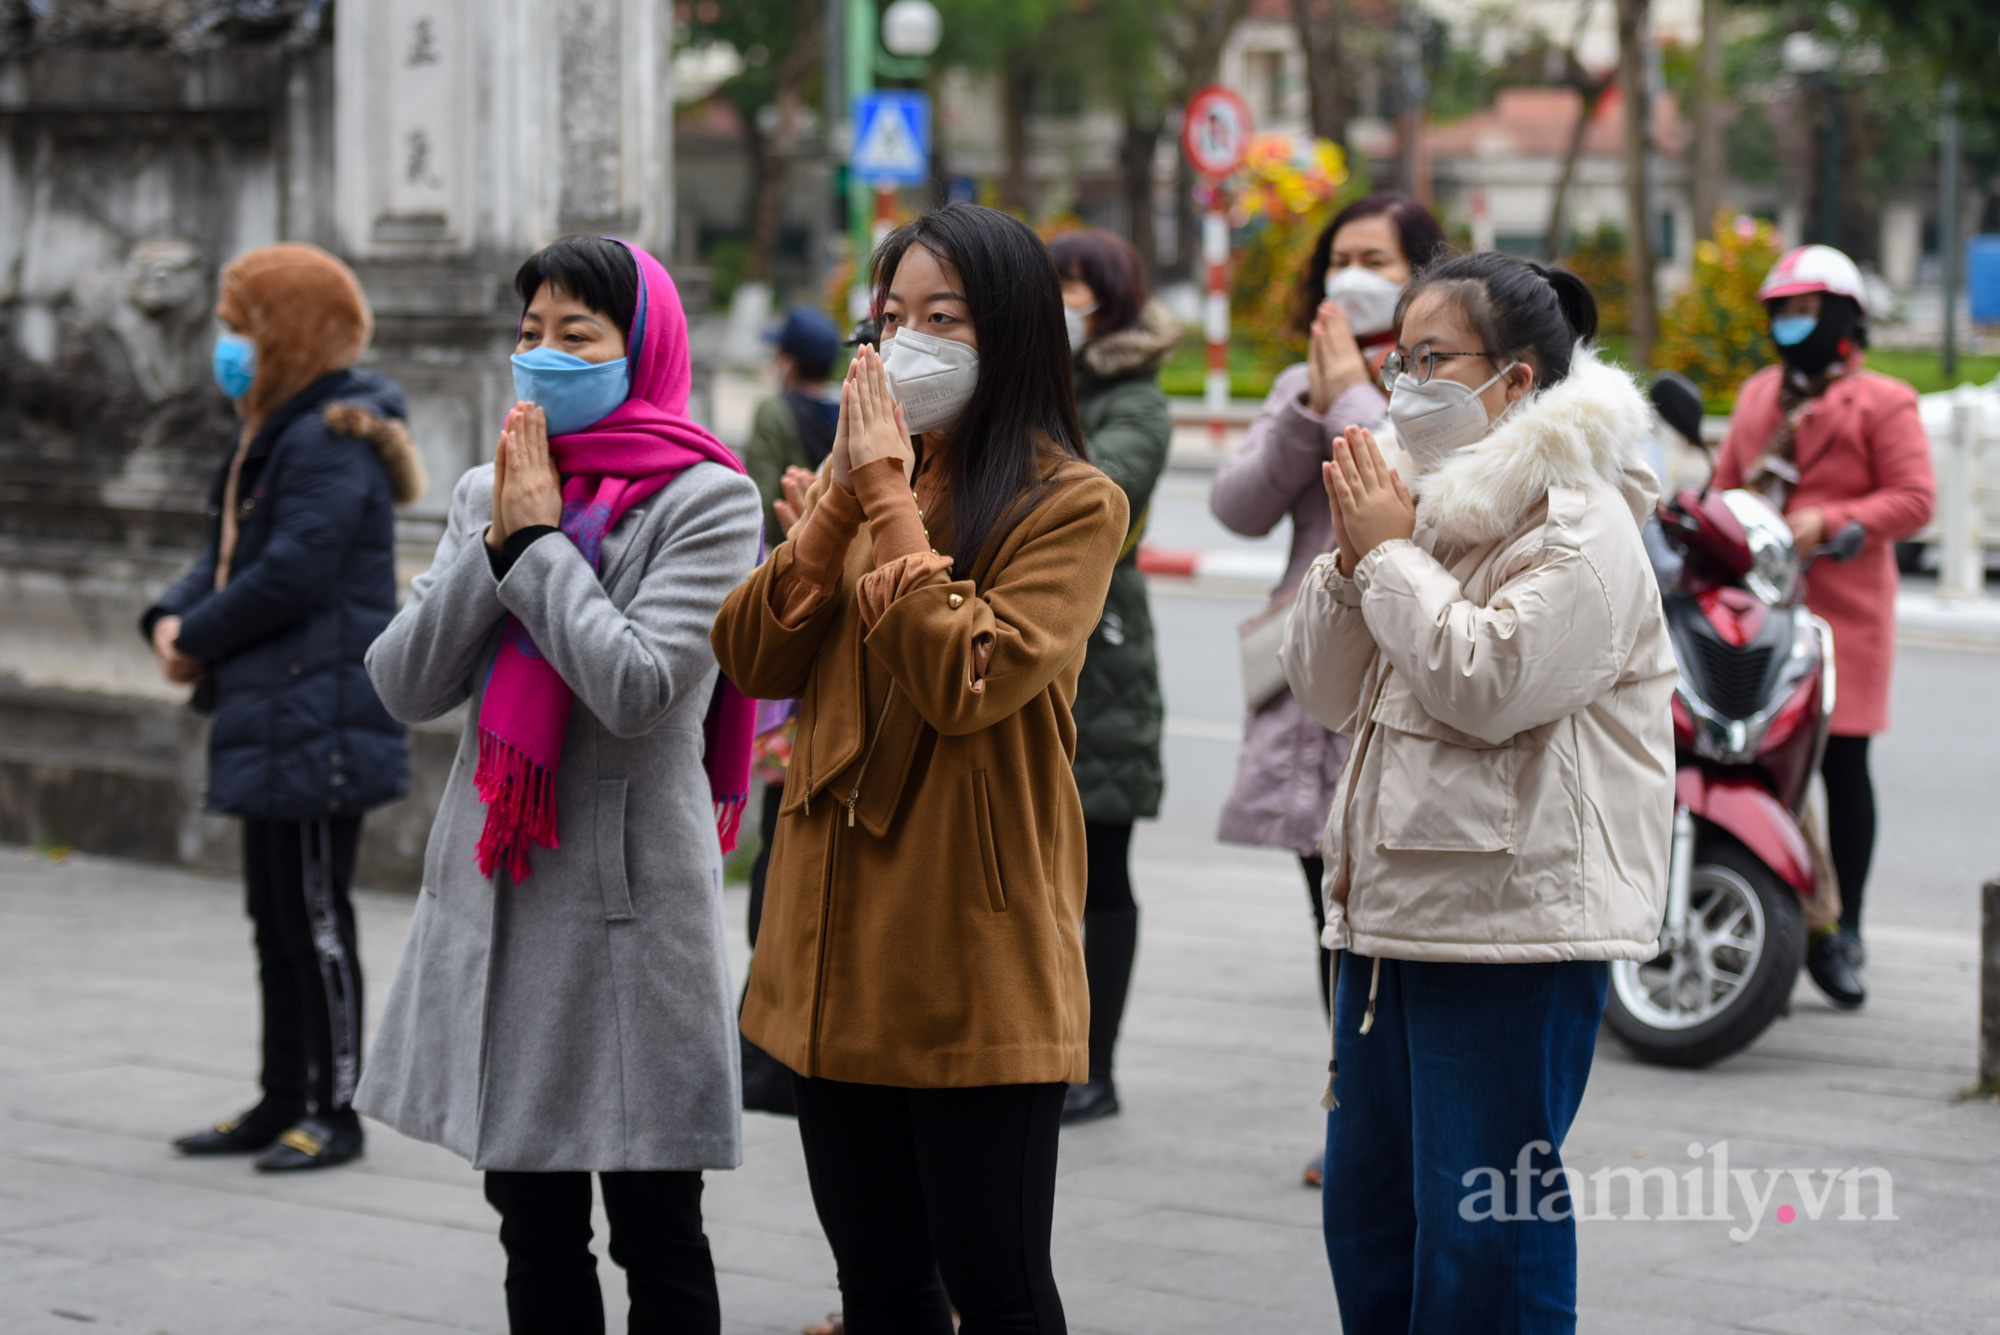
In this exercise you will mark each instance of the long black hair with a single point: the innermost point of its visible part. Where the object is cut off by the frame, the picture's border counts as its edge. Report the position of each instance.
(1517, 307)
(1417, 234)
(1022, 416)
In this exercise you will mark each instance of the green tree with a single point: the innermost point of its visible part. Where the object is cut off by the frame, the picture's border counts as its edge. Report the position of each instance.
(779, 42)
(1012, 40)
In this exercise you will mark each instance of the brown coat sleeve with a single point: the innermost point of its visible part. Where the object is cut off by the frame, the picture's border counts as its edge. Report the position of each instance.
(772, 624)
(1039, 606)
(904, 558)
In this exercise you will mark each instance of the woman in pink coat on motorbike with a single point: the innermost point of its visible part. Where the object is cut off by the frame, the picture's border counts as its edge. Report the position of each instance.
(1830, 443)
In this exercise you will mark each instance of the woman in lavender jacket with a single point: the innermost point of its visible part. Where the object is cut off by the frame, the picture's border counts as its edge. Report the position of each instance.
(1345, 302)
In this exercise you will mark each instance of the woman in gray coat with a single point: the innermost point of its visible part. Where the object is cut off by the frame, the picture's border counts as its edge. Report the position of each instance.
(563, 1004)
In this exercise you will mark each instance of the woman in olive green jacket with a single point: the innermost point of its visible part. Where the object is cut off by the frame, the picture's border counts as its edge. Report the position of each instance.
(1120, 339)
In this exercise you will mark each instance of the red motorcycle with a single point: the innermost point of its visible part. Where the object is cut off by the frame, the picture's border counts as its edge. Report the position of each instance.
(1750, 722)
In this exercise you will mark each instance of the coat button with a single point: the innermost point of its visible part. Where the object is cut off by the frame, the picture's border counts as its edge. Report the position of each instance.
(333, 759)
(297, 668)
(339, 779)
(955, 599)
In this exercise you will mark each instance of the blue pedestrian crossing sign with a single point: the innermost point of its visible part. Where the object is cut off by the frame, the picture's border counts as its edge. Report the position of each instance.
(892, 137)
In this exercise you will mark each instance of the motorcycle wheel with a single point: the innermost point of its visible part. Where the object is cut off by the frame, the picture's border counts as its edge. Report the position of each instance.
(1717, 993)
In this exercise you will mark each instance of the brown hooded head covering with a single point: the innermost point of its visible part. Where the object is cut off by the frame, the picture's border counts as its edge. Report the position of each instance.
(304, 310)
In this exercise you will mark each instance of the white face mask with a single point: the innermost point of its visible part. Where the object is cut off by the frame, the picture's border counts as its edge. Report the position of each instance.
(1077, 324)
(1368, 298)
(1438, 416)
(933, 378)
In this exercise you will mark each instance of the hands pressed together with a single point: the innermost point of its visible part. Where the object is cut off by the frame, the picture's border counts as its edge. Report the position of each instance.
(794, 484)
(1370, 504)
(1334, 363)
(527, 490)
(871, 421)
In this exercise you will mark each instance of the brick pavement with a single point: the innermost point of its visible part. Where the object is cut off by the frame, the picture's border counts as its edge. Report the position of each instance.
(126, 1016)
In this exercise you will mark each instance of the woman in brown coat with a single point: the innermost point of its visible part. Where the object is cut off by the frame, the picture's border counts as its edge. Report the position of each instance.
(919, 965)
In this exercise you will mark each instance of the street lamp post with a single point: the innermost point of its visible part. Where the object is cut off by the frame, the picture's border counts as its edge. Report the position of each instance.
(1949, 248)
(910, 31)
(860, 79)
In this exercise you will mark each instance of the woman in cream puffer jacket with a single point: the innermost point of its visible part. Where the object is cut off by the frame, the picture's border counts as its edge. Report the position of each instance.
(1502, 823)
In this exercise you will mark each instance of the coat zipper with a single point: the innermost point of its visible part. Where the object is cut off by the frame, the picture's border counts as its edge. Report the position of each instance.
(832, 861)
(825, 931)
(812, 745)
(855, 796)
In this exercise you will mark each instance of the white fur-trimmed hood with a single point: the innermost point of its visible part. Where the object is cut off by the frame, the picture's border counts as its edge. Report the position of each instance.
(1594, 423)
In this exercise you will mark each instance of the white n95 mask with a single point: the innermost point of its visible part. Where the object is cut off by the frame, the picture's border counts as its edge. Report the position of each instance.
(1438, 416)
(933, 378)
(1076, 323)
(1368, 298)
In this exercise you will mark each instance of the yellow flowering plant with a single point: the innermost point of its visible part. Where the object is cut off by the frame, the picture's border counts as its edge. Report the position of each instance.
(1285, 192)
(1715, 332)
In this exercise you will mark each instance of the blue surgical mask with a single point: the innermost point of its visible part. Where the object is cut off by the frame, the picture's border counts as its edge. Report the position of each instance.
(235, 364)
(573, 393)
(1790, 330)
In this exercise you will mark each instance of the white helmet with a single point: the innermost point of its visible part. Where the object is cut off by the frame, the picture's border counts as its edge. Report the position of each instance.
(1814, 269)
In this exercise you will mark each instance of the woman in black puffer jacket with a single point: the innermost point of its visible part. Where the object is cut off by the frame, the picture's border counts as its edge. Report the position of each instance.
(297, 579)
(1120, 339)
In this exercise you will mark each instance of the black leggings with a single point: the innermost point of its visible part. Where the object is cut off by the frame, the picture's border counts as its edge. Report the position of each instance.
(1314, 866)
(936, 1198)
(656, 1239)
(296, 876)
(1110, 936)
(1850, 821)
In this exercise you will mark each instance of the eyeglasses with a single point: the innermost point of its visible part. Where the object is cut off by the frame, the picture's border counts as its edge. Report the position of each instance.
(1418, 363)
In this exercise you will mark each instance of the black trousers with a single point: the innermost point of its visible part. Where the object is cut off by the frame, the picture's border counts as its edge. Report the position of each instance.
(934, 1199)
(656, 1239)
(1110, 935)
(296, 877)
(1850, 821)
(1314, 866)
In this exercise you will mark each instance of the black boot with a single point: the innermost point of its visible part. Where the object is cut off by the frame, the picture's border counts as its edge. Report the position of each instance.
(1110, 940)
(319, 1141)
(246, 1133)
(1832, 965)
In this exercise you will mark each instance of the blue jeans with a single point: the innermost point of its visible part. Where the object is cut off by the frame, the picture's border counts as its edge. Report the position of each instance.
(1467, 1067)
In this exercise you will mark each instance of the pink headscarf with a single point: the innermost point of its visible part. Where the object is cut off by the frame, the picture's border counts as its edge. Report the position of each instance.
(638, 449)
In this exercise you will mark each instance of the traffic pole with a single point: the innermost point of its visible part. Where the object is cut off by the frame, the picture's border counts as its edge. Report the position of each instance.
(885, 214)
(1215, 315)
(862, 22)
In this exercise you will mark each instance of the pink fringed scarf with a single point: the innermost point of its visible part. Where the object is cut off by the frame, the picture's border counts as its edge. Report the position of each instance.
(637, 450)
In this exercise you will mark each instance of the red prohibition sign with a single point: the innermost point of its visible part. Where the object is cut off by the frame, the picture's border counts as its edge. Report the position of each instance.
(1215, 131)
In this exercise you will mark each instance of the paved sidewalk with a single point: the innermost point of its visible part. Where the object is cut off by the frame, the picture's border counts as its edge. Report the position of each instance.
(126, 1016)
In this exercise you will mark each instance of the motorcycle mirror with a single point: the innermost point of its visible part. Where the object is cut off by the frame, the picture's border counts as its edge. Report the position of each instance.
(1846, 544)
(1679, 405)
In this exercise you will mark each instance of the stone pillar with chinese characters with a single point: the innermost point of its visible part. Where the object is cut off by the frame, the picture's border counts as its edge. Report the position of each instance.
(468, 134)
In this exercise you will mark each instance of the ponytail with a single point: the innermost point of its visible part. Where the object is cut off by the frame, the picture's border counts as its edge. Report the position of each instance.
(1579, 307)
(1519, 308)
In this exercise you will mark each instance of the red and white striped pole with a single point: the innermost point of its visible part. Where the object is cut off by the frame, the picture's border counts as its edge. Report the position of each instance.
(1215, 314)
(1215, 136)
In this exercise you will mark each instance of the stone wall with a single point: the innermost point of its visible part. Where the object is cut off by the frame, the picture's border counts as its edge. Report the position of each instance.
(143, 143)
